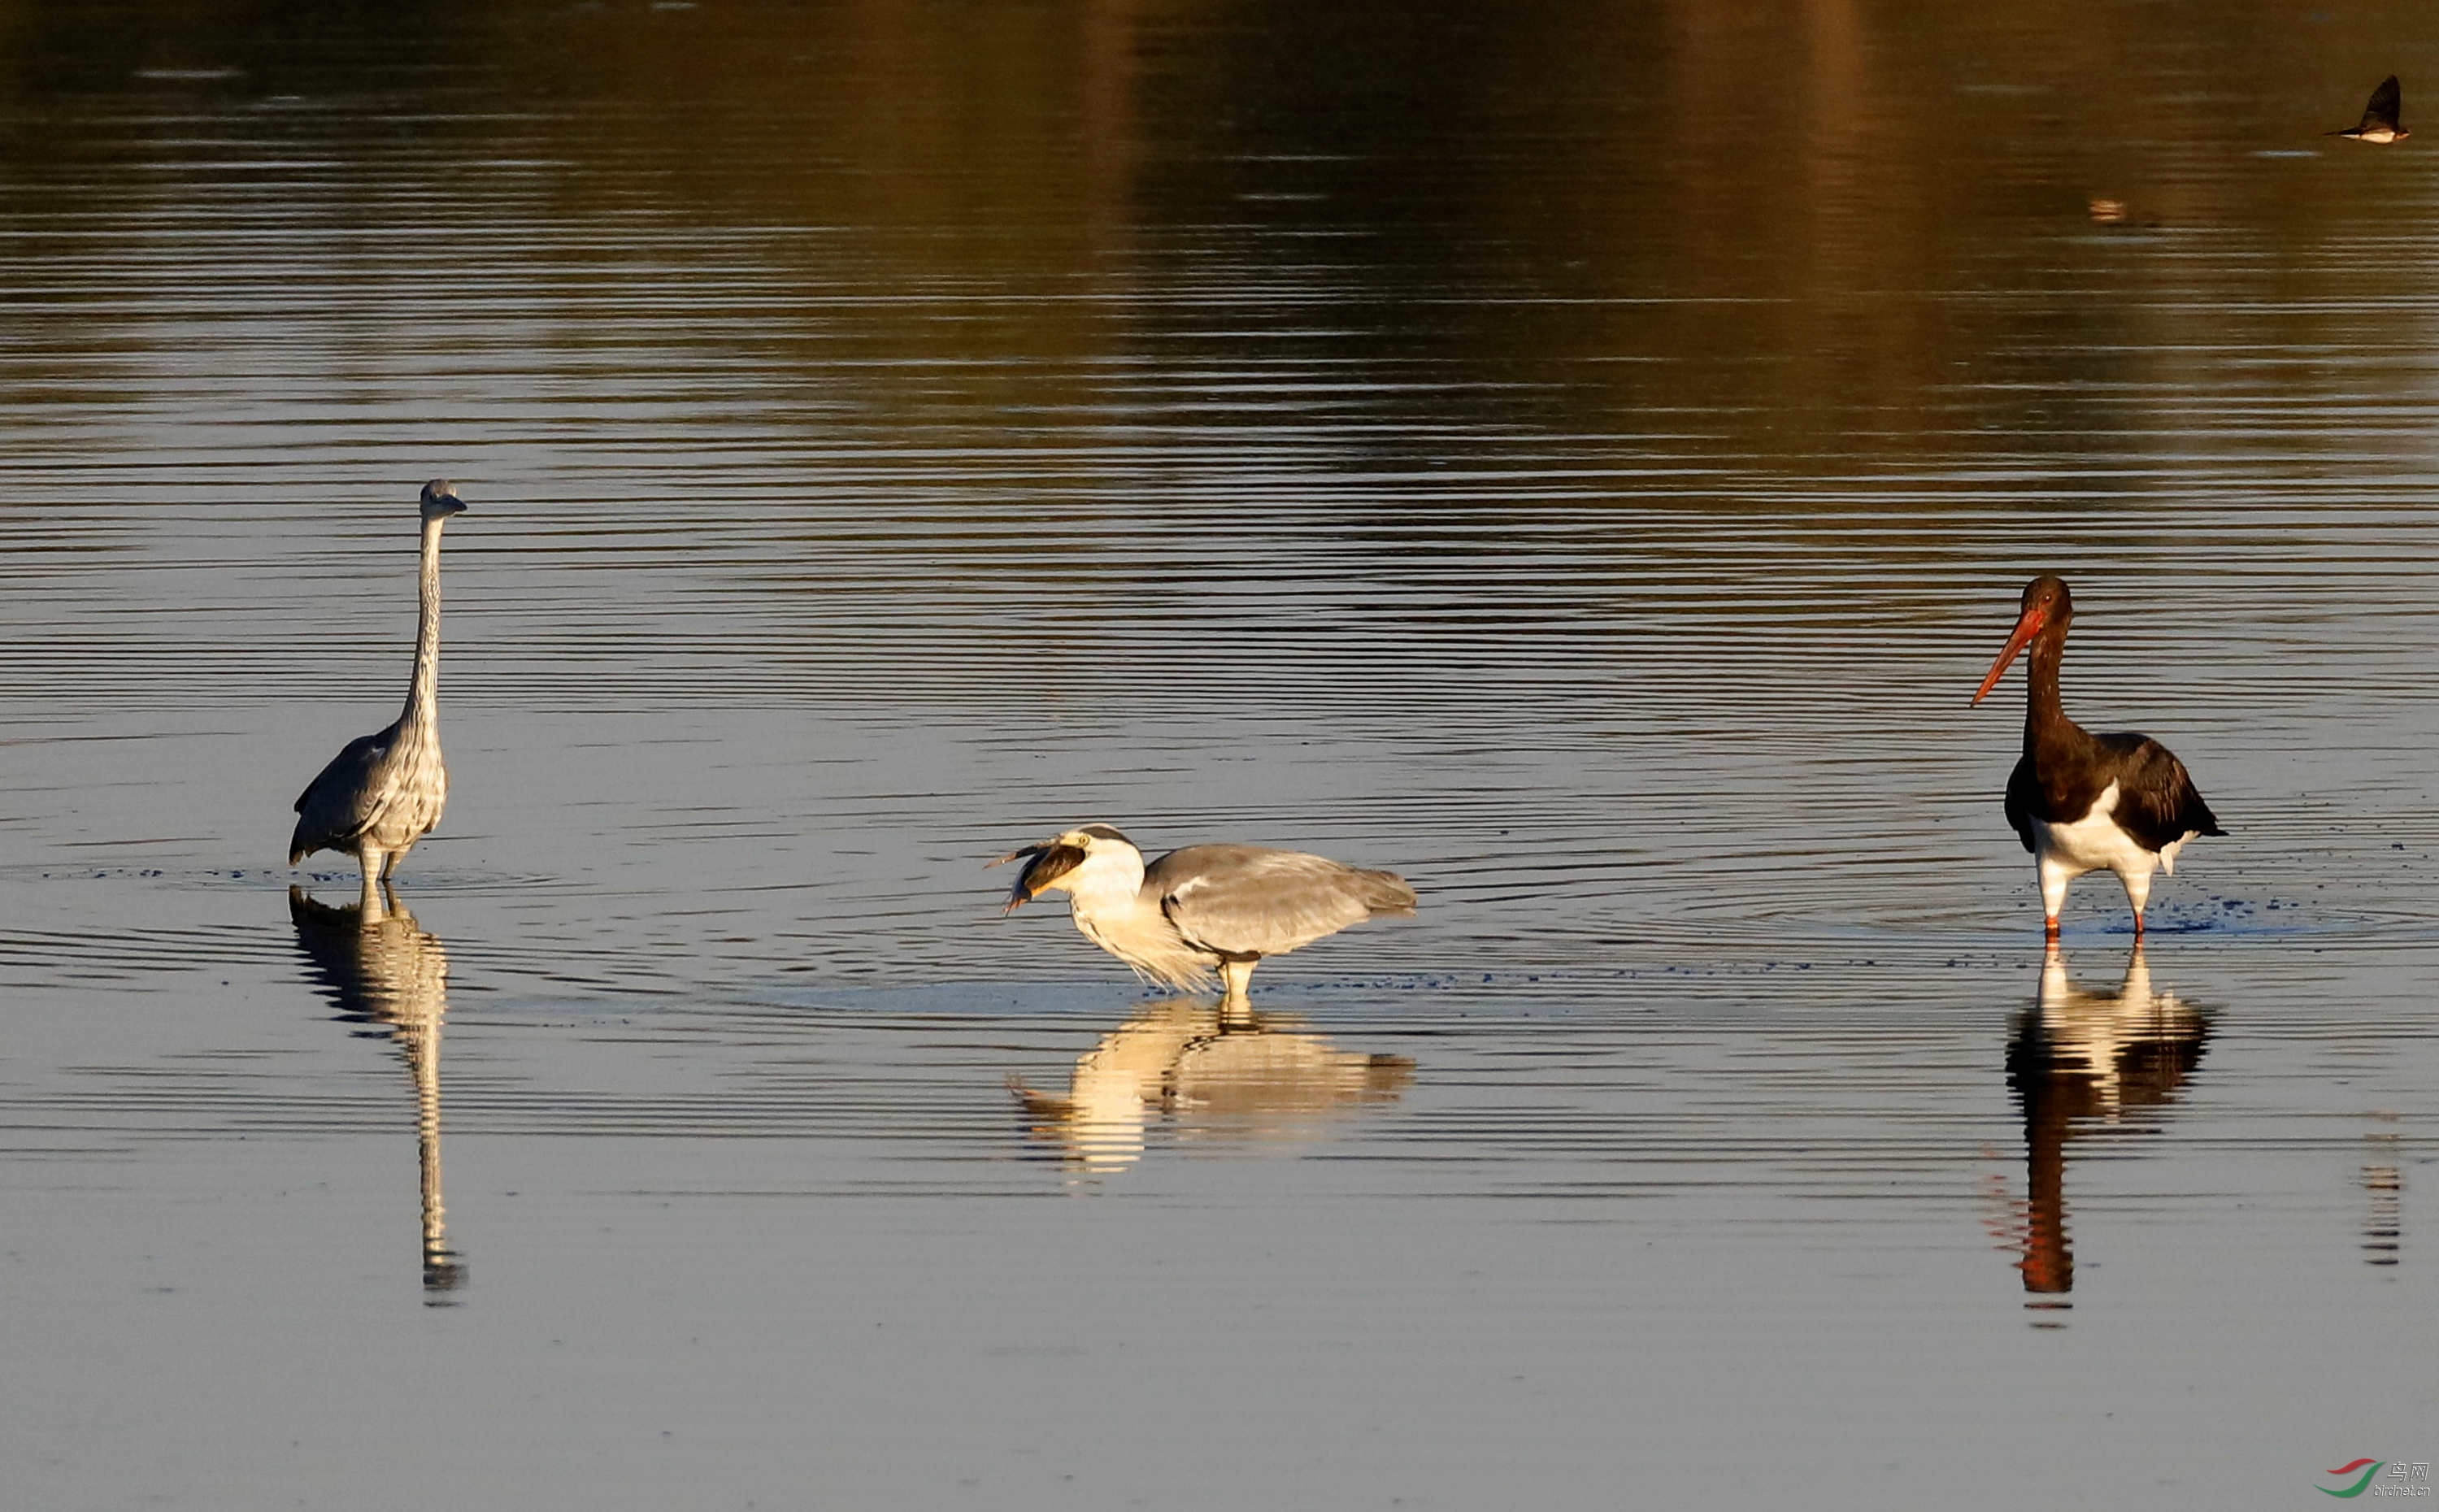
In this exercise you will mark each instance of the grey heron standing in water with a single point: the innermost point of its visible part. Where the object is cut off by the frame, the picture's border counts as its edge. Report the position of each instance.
(1202, 910)
(385, 791)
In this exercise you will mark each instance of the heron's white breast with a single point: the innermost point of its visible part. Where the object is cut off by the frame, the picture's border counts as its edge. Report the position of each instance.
(1141, 935)
(416, 786)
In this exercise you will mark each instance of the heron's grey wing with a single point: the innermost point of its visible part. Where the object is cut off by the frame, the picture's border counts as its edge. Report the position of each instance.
(335, 806)
(1249, 901)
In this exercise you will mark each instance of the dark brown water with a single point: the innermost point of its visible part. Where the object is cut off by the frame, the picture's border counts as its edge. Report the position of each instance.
(1580, 458)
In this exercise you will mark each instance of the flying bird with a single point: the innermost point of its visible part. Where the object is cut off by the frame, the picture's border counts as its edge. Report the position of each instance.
(1202, 910)
(2379, 122)
(2082, 802)
(385, 791)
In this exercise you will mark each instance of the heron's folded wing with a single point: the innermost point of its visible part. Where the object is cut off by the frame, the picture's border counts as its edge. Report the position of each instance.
(338, 804)
(1249, 901)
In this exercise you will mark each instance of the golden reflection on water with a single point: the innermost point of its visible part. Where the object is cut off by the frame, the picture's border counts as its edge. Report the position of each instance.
(1208, 1070)
(1749, 220)
(378, 966)
(2081, 1060)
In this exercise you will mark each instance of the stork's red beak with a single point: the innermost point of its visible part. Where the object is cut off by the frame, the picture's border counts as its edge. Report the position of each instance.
(2027, 627)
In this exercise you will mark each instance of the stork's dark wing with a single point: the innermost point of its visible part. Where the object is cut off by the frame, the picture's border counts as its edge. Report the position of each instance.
(335, 806)
(2156, 801)
(2386, 103)
(2023, 799)
(1248, 900)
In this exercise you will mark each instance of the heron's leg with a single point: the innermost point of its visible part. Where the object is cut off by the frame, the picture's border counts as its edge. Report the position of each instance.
(372, 862)
(389, 862)
(1235, 975)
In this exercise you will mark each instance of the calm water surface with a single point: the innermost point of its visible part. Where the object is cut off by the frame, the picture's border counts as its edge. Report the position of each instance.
(1580, 458)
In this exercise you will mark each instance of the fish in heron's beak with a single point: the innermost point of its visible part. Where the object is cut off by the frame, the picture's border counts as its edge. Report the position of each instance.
(1049, 862)
(2034, 617)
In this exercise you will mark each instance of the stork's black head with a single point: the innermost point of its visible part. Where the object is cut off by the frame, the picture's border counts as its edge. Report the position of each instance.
(2047, 606)
(2049, 591)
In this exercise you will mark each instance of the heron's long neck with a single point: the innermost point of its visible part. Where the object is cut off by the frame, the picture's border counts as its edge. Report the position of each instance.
(422, 712)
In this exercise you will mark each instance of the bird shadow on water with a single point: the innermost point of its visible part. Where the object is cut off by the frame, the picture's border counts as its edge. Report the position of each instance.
(378, 966)
(2083, 1063)
(1199, 1069)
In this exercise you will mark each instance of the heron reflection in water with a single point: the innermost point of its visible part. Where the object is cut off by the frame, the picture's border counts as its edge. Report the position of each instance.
(376, 966)
(1207, 1068)
(2082, 1062)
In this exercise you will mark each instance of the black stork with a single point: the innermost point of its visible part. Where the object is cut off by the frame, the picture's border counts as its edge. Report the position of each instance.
(2081, 802)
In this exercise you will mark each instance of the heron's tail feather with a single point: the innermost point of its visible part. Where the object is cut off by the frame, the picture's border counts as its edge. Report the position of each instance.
(1188, 973)
(1386, 892)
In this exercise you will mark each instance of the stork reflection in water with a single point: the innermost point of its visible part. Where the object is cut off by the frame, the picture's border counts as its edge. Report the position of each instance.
(2080, 1062)
(1218, 1069)
(384, 791)
(376, 966)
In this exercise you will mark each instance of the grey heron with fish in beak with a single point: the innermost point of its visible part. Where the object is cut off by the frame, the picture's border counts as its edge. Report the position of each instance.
(1202, 911)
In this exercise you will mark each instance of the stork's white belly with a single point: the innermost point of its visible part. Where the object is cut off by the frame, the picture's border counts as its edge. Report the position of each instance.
(2097, 843)
(2093, 842)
